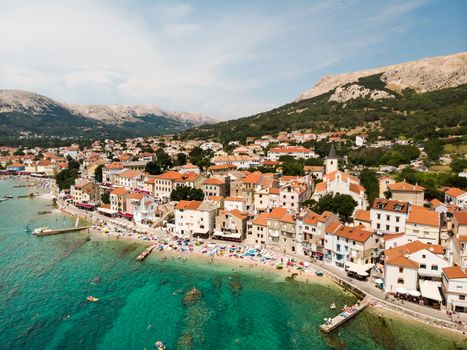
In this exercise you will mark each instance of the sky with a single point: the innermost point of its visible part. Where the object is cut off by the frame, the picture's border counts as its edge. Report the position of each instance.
(227, 59)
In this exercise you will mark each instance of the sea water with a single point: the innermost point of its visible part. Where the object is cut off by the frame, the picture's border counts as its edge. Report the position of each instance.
(44, 282)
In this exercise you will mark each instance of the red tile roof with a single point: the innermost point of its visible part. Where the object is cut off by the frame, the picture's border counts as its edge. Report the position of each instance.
(454, 272)
(193, 205)
(405, 187)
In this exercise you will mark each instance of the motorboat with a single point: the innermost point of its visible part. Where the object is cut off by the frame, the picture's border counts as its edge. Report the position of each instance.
(92, 299)
(9, 196)
(332, 306)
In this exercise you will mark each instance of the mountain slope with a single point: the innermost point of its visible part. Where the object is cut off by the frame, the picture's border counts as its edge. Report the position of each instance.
(26, 113)
(428, 74)
(366, 101)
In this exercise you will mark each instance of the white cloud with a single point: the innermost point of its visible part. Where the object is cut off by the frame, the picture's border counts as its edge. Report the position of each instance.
(174, 55)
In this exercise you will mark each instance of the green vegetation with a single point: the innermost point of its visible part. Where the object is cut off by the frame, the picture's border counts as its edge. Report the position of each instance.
(66, 177)
(341, 204)
(187, 193)
(395, 155)
(432, 181)
(200, 157)
(105, 197)
(153, 168)
(433, 115)
(369, 180)
(98, 173)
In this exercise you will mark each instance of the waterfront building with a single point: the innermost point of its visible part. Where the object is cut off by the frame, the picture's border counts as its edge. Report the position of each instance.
(195, 218)
(343, 244)
(231, 225)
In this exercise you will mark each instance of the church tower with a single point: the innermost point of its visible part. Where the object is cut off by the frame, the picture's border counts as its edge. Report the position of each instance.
(331, 160)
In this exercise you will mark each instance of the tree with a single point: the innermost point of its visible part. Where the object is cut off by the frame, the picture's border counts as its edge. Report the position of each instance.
(200, 157)
(181, 159)
(19, 152)
(105, 197)
(153, 168)
(187, 193)
(341, 204)
(163, 159)
(371, 184)
(98, 173)
(66, 177)
(458, 165)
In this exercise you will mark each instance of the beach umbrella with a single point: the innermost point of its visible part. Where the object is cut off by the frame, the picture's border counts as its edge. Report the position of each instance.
(414, 293)
(379, 281)
(401, 290)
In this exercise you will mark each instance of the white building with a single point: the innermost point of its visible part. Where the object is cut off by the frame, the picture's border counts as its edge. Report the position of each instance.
(388, 216)
(344, 244)
(455, 288)
(457, 197)
(415, 266)
(195, 218)
(293, 151)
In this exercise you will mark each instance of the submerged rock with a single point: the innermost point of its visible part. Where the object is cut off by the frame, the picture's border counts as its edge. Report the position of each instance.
(191, 297)
(334, 342)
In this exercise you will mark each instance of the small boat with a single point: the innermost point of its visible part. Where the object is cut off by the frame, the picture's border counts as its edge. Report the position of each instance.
(27, 229)
(160, 345)
(332, 306)
(40, 230)
(9, 196)
(279, 266)
(319, 273)
(92, 299)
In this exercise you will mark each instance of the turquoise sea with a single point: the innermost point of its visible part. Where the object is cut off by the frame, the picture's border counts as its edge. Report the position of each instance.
(45, 281)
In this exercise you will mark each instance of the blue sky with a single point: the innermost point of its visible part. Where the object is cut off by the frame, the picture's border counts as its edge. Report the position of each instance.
(224, 58)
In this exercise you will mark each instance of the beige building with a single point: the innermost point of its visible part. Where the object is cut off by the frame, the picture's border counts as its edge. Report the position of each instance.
(423, 225)
(405, 192)
(118, 199)
(231, 225)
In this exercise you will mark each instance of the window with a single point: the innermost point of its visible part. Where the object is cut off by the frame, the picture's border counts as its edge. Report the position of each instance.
(387, 227)
(423, 266)
(378, 216)
(401, 269)
(461, 297)
(397, 228)
(423, 256)
(388, 218)
(434, 267)
(400, 281)
(397, 219)
(378, 226)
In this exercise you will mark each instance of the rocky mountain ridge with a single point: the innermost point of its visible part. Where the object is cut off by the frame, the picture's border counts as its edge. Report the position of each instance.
(425, 75)
(32, 103)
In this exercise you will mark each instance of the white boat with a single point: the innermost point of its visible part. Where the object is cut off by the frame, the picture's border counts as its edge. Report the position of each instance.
(40, 230)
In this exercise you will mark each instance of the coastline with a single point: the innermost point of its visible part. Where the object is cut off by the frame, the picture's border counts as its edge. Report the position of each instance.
(246, 265)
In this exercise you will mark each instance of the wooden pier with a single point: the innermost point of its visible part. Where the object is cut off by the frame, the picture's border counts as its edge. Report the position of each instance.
(63, 230)
(144, 254)
(341, 319)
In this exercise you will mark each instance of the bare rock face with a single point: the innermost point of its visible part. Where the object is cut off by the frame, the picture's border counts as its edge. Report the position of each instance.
(423, 75)
(354, 91)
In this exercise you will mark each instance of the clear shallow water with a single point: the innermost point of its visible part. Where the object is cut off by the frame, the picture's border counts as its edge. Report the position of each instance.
(45, 281)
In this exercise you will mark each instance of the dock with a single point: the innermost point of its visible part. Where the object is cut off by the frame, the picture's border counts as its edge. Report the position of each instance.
(63, 230)
(145, 253)
(344, 316)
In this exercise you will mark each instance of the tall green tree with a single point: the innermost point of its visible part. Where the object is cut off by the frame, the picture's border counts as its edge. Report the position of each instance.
(341, 204)
(370, 182)
(153, 168)
(98, 173)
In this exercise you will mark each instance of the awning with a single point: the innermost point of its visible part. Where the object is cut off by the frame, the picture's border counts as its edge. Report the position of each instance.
(430, 290)
(414, 293)
(126, 215)
(401, 290)
(85, 205)
(106, 211)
